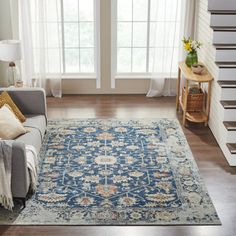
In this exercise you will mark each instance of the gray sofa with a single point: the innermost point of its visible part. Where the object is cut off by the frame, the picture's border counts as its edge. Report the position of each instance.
(32, 103)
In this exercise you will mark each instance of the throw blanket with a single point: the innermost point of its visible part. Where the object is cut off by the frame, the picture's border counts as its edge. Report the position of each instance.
(5, 171)
(5, 174)
(32, 164)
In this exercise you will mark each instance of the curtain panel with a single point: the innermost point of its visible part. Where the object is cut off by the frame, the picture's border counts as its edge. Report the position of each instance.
(174, 19)
(31, 17)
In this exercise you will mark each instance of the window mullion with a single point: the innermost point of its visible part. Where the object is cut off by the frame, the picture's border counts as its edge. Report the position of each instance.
(148, 35)
(97, 62)
(94, 35)
(63, 36)
(114, 48)
(79, 35)
(132, 36)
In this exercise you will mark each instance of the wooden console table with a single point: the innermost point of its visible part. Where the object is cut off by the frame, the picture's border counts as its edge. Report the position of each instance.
(205, 77)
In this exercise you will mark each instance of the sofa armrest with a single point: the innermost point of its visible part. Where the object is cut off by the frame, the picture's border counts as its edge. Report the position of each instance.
(20, 181)
(20, 177)
(30, 101)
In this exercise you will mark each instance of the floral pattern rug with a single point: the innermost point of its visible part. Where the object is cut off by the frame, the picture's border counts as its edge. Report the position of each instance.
(114, 172)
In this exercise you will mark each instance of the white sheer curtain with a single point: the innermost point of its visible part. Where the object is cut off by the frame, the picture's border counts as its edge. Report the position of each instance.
(41, 44)
(173, 20)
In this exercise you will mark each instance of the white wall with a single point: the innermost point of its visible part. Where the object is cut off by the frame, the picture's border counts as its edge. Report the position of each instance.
(5, 33)
(5, 19)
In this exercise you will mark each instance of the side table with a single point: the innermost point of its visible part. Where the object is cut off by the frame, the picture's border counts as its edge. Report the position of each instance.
(205, 77)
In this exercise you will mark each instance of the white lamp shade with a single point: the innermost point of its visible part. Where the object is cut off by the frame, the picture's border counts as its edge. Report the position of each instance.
(10, 50)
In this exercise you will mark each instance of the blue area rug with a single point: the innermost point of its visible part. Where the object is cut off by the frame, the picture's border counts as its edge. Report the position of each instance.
(112, 172)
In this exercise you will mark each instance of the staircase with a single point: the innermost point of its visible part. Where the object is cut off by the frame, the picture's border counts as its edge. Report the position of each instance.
(223, 23)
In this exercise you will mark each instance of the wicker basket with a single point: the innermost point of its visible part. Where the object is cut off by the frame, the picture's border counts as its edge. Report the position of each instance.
(195, 101)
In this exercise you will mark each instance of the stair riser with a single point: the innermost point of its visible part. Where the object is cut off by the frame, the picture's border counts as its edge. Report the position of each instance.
(224, 37)
(225, 55)
(221, 5)
(226, 136)
(225, 74)
(223, 20)
(231, 137)
(229, 114)
(228, 94)
(226, 114)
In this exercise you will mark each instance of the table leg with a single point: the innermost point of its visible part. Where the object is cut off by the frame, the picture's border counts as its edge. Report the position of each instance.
(185, 103)
(208, 102)
(178, 89)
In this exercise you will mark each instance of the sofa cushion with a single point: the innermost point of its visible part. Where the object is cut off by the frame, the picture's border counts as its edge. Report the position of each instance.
(10, 126)
(6, 99)
(37, 122)
(36, 127)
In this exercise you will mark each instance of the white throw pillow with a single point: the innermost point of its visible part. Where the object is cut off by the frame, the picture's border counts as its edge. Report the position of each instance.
(10, 126)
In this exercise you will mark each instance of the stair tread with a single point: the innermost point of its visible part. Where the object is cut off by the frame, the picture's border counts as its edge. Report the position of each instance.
(223, 29)
(230, 63)
(226, 47)
(227, 84)
(230, 125)
(232, 147)
(224, 44)
(226, 64)
(223, 12)
(229, 104)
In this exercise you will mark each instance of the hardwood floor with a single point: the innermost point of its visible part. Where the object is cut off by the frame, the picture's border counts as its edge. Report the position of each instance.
(219, 178)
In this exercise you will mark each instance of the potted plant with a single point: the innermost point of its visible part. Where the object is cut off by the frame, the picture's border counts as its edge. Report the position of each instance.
(191, 46)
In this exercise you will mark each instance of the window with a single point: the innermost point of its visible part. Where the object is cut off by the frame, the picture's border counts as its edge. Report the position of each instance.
(72, 31)
(78, 27)
(133, 30)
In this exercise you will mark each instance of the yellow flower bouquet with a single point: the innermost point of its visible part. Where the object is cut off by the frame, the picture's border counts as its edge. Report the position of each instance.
(191, 46)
